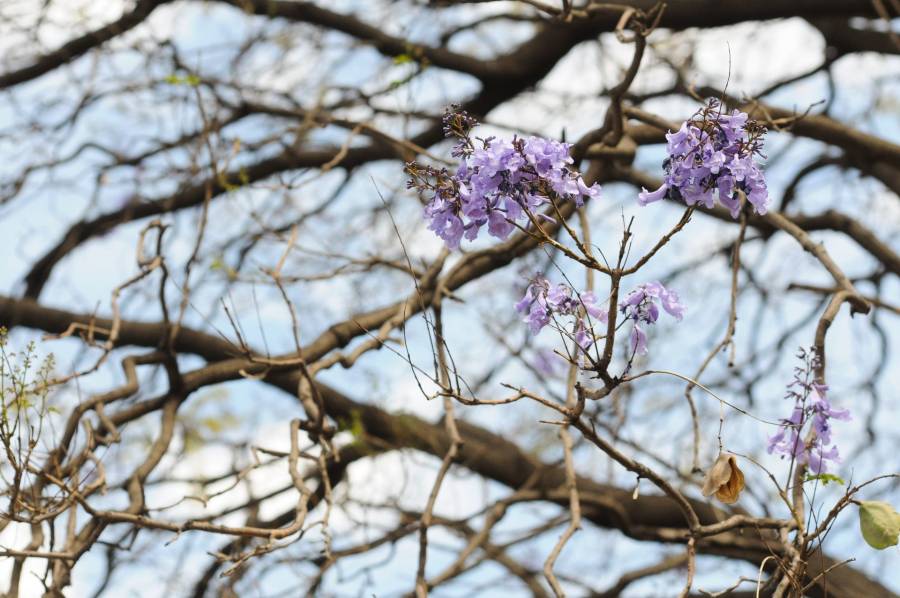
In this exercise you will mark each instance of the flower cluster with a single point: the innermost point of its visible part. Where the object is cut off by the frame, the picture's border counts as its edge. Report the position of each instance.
(810, 404)
(543, 302)
(497, 183)
(640, 306)
(712, 154)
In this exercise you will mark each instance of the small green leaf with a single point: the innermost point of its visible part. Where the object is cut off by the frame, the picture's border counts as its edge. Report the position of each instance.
(192, 80)
(356, 425)
(219, 424)
(219, 264)
(402, 58)
(826, 478)
(213, 424)
(879, 523)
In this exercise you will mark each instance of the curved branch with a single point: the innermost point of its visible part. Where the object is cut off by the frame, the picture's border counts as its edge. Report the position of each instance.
(81, 45)
(656, 518)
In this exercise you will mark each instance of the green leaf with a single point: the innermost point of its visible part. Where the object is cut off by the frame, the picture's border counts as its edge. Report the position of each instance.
(402, 58)
(219, 264)
(879, 523)
(219, 424)
(192, 80)
(356, 425)
(826, 478)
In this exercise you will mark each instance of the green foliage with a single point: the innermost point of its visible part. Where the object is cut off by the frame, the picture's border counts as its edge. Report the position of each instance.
(24, 382)
(879, 523)
(354, 425)
(189, 79)
(825, 478)
(229, 186)
(220, 264)
(417, 62)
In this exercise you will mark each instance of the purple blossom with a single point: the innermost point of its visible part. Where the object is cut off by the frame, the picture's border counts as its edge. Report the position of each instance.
(638, 340)
(810, 405)
(497, 183)
(710, 157)
(817, 456)
(547, 362)
(543, 302)
(640, 305)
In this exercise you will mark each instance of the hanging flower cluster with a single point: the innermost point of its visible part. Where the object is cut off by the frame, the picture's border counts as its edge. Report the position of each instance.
(712, 155)
(641, 306)
(497, 183)
(544, 302)
(810, 405)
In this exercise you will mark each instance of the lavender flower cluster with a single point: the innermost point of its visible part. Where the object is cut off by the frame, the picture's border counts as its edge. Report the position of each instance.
(543, 302)
(497, 183)
(713, 155)
(640, 306)
(810, 404)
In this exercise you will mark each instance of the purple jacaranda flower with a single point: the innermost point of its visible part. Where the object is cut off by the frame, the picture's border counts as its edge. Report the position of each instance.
(787, 440)
(547, 362)
(534, 304)
(498, 224)
(538, 317)
(444, 222)
(817, 457)
(498, 183)
(775, 440)
(645, 197)
(672, 304)
(589, 301)
(583, 338)
(822, 412)
(544, 301)
(711, 158)
(638, 340)
(810, 405)
(681, 141)
(640, 305)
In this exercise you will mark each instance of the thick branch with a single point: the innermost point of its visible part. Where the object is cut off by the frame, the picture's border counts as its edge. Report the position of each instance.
(655, 518)
(81, 45)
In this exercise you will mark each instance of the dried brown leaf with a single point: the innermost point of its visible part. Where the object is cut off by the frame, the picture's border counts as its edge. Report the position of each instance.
(724, 479)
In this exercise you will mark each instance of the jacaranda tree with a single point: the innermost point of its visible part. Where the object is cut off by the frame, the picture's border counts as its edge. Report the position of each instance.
(450, 297)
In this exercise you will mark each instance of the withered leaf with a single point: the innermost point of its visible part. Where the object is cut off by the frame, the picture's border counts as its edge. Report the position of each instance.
(724, 479)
